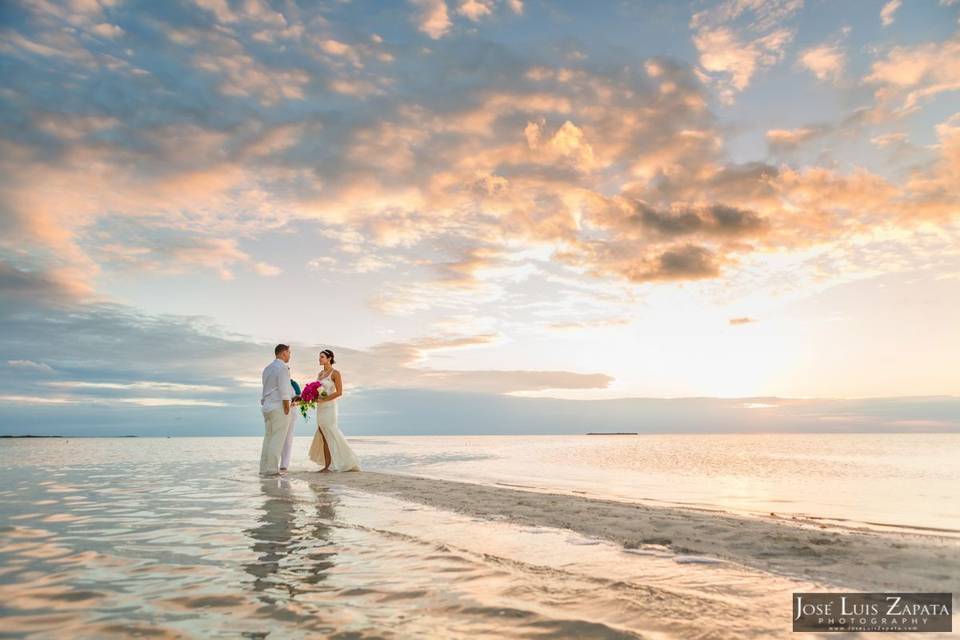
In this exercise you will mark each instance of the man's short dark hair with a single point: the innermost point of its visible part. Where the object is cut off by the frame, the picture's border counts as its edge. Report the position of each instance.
(280, 348)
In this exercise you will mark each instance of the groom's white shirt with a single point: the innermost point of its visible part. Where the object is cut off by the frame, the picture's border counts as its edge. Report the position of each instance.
(276, 386)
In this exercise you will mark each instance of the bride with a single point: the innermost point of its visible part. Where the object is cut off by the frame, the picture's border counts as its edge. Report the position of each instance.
(329, 447)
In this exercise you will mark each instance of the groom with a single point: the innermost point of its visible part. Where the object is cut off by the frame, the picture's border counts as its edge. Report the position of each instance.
(275, 405)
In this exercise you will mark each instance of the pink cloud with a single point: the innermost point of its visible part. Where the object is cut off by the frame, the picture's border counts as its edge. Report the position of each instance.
(432, 18)
(825, 61)
(912, 75)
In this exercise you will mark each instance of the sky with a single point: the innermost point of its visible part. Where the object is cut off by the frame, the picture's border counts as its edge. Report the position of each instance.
(552, 201)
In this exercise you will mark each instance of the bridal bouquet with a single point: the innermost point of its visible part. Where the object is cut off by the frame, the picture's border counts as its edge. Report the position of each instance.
(309, 396)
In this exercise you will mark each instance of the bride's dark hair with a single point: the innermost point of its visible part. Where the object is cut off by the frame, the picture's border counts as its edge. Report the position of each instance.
(329, 355)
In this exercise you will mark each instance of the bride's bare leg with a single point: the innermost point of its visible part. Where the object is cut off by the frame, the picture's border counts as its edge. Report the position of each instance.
(326, 453)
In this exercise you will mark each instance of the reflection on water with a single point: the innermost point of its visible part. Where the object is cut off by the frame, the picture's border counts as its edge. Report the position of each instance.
(293, 552)
(181, 538)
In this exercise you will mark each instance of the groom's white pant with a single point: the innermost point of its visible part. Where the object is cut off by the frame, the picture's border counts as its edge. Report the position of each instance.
(288, 442)
(275, 429)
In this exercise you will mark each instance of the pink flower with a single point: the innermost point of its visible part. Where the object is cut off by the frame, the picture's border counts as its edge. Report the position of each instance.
(310, 392)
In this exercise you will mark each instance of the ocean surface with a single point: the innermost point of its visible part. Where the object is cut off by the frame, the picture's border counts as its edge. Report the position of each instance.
(885, 481)
(180, 537)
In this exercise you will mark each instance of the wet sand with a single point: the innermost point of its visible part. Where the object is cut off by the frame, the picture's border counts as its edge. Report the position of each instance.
(848, 558)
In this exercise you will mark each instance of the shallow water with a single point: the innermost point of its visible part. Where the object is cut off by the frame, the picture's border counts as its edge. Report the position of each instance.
(180, 538)
(888, 481)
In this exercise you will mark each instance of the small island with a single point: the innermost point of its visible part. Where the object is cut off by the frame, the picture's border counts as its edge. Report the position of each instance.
(613, 433)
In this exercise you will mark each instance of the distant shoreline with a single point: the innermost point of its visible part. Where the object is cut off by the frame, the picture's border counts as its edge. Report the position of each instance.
(613, 433)
(3, 436)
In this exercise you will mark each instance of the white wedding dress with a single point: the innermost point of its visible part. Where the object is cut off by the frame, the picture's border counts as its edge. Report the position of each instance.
(342, 457)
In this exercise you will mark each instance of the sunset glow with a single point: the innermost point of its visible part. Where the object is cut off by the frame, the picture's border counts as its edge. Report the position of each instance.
(562, 199)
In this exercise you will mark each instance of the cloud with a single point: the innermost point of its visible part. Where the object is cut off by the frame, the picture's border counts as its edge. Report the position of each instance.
(349, 264)
(336, 48)
(899, 147)
(432, 18)
(171, 251)
(684, 263)
(267, 269)
(239, 74)
(933, 191)
(508, 381)
(462, 271)
(784, 141)
(720, 51)
(908, 76)
(739, 321)
(476, 9)
(763, 14)
(402, 157)
(789, 137)
(453, 342)
(717, 220)
(168, 402)
(33, 400)
(888, 11)
(183, 361)
(825, 61)
(730, 55)
(565, 145)
(677, 263)
(824, 190)
(43, 287)
(889, 139)
(53, 205)
(598, 323)
(142, 385)
(29, 400)
(31, 365)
